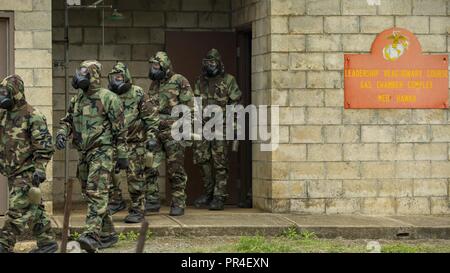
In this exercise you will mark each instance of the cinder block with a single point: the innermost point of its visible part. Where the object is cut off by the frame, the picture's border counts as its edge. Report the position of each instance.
(324, 188)
(377, 134)
(341, 134)
(323, 7)
(321, 116)
(341, 24)
(343, 170)
(379, 206)
(414, 206)
(431, 187)
(379, 170)
(308, 206)
(396, 188)
(305, 24)
(306, 134)
(360, 188)
(360, 152)
(429, 7)
(324, 152)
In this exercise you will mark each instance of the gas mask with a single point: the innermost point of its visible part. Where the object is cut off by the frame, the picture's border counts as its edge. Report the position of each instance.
(211, 68)
(156, 74)
(6, 101)
(82, 79)
(118, 84)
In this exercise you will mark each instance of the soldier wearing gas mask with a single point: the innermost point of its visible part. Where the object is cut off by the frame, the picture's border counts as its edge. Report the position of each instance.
(170, 89)
(25, 149)
(215, 87)
(142, 122)
(95, 120)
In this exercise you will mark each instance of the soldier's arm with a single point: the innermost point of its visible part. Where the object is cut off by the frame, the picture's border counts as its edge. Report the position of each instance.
(149, 113)
(197, 89)
(41, 141)
(186, 94)
(115, 111)
(235, 96)
(66, 124)
(235, 93)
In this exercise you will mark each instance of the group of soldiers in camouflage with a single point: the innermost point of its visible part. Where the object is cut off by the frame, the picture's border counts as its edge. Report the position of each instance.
(119, 130)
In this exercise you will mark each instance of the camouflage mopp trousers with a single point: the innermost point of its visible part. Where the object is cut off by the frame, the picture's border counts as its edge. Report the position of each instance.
(135, 177)
(22, 213)
(212, 156)
(94, 171)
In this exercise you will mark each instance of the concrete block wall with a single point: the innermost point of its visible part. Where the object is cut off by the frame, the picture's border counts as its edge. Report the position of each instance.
(132, 40)
(336, 161)
(33, 61)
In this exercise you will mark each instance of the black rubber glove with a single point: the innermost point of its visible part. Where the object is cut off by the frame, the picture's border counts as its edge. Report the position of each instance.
(122, 164)
(38, 178)
(152, 145)
(61, 142)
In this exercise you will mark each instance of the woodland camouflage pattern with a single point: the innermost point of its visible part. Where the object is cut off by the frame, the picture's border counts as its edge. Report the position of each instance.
(172, 91)
(212, 156)
(142, 122)
(25, 146)
(96, 121)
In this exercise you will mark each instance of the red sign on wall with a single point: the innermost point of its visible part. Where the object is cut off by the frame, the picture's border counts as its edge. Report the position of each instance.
(396, 75)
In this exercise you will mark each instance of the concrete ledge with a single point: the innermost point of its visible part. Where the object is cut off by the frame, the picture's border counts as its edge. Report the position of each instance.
(243, 222)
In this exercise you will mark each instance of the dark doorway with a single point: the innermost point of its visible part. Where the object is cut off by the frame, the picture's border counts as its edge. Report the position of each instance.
(186, 50)
(6, 68)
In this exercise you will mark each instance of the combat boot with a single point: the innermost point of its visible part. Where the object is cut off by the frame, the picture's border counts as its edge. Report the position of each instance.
(217, 203)
(134, 216)
(152, 207)
(202, 201)
(3, 249)
(116, 206)
(108, 241)
(176, 210)
(89, 243)
(47, 248)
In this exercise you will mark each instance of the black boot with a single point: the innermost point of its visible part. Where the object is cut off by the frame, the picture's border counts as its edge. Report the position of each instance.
(217, 203)
(116, 206)
(202, 201)
(89, 243)
(3, 249)
(152, 207)
(176, 210)
(108, 241)
(134, 216)
(48, 248)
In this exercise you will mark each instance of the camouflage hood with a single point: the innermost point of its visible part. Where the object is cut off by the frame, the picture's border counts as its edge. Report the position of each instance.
(163, 60)
(214, 55)
(121, 68)
(15, 86)
(95, 69)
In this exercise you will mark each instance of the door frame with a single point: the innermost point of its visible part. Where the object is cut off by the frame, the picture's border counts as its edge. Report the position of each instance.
(244, 77)
(9, 16)
(10, 19)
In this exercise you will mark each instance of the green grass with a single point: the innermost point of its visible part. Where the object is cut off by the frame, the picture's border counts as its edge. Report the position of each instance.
(133, 236)
(291, 240)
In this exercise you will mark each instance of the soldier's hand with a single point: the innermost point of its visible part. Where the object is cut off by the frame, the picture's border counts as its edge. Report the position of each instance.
(122, 164)
(38, 178)
(61, 142)
(152, 145)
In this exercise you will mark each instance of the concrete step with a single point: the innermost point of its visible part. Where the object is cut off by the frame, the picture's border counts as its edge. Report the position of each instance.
(246, 222)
